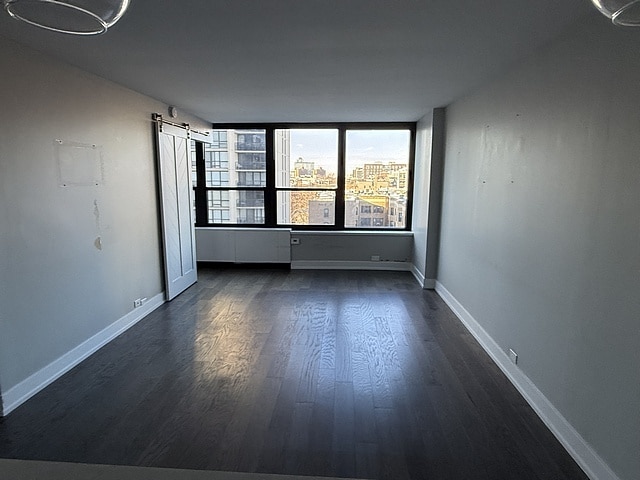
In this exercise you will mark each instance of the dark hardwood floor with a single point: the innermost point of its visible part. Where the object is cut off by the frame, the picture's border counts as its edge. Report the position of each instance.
(356, 374)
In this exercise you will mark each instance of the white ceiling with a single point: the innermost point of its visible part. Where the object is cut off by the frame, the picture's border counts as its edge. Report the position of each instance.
(309, 60)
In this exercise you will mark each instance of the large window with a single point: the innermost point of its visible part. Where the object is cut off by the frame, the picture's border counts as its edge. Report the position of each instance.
(306, 175)
(338, 176)
(231, 178)
(377, 174)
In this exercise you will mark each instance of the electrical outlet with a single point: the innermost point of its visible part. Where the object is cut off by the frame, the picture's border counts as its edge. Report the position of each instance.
(375, 258)
(513, 356)
(137, 303)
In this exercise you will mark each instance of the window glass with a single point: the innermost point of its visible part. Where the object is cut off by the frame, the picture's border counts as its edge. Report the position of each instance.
(194, 173)
(376, 178)
(251, 161)
(236, 158)
(249, 206)
(217, 178)
(218, 206)
(235, 206)
(306, 158)
(252, 179)
(306, 207)
(302, 177)
(218, 199)
(250, 140)
(219, 139)
(216, 159)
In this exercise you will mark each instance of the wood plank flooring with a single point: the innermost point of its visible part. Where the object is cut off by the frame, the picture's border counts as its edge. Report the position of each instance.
(346, 374)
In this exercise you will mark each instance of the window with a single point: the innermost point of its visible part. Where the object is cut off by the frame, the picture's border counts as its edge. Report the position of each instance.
(252, 179)
(219, 216)
(219, 139)
(253, 140)
(194, 175)
(218, 199)
(306, 175)
(377, 169)
(251, 161)
(218, 160)
(321, 176)
(231, 178)
(217, 179)
(218, 206)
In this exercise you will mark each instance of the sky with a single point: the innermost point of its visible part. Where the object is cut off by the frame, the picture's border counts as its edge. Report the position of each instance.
(363, 146)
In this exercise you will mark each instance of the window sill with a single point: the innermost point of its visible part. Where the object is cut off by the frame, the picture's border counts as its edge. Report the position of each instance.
(352, 233)
(315, 233)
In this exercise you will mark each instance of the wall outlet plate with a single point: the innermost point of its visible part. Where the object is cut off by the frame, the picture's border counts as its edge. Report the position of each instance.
(375, 258)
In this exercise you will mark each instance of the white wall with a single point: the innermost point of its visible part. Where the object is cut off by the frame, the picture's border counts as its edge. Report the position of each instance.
(427, 196)
(435, 195)
(420, 204)
(541, 228)
(57, 288)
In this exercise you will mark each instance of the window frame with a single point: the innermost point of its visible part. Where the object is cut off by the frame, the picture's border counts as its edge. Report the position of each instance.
(271, 190)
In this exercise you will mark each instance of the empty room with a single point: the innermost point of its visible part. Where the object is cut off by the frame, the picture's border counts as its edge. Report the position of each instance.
(362, 239)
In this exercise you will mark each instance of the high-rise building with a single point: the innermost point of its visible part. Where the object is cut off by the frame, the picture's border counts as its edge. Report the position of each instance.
(237, 158)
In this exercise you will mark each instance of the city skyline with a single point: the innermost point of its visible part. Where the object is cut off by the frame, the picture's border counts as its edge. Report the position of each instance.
(362, 146)
(307, 177)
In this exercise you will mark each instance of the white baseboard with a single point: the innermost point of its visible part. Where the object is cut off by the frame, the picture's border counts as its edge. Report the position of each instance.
(588, 459)
(17, 395)
(418, 275)
(429, 284)
(349, 265)
(426, 283)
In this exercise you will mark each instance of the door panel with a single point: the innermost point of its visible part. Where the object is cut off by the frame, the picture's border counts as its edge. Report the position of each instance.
(178, 234)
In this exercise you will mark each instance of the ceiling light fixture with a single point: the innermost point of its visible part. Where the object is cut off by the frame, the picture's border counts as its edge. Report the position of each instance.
(76, 17)
(625, 13)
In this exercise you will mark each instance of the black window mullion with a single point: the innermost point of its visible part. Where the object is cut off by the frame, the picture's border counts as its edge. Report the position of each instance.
(339, 203)
(408, 211)
(270, 200)
(269, 188)
(201, 189)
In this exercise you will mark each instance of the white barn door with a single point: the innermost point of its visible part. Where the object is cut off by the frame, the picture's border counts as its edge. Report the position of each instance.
(178, 235)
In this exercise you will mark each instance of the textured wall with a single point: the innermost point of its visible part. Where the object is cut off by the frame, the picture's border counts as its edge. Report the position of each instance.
(73, 257)
(541, 227)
